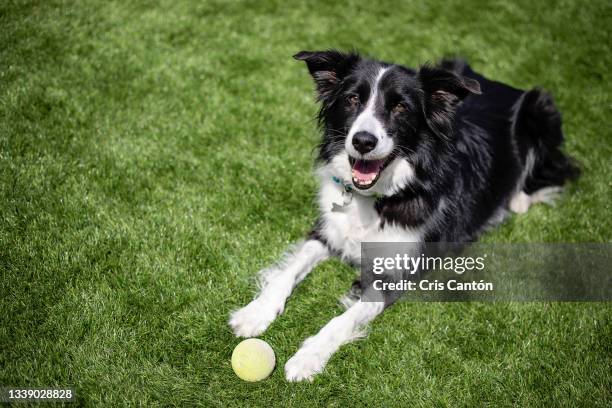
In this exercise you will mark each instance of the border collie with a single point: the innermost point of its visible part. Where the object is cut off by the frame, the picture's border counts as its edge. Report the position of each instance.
(437, 154)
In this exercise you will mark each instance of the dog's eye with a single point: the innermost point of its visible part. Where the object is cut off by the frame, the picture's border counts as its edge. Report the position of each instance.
(353, 100)
(399, 108)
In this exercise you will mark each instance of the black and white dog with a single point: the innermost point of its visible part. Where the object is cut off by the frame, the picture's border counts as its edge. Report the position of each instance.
(436, 154)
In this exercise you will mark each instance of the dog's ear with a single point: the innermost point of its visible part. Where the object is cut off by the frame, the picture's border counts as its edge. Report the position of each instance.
(443, 90)
(327, 68)
(445, 87)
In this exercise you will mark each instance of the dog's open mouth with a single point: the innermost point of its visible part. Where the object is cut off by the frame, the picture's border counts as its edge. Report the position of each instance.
(365, 173)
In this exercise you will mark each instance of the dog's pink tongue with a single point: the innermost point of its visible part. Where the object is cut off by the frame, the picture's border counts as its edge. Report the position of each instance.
(366, 171)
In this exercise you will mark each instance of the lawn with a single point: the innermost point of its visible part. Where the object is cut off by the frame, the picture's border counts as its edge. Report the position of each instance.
(155, 155)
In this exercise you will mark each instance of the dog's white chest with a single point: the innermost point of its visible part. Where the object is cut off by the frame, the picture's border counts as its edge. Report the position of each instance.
(358, 221)
(355, 223)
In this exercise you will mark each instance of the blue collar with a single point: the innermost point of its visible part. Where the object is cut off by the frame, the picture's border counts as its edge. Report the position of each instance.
(347, 187)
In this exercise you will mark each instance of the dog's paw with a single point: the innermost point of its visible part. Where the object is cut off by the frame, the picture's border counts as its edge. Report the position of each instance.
(304, 365)
(520, 203)
(253, 319)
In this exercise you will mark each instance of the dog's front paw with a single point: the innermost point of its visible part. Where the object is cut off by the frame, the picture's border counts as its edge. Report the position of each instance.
(253, 319)
(304, 365)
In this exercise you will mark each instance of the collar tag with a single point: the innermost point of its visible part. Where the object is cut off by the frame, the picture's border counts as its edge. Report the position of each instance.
(347, 196)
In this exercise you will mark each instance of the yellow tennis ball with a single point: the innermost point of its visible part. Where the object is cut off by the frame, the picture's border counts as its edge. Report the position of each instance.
(253, 360)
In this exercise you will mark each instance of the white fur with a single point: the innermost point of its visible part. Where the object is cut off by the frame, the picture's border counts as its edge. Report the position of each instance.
(397, 175)
(316, 350)
(546, 195)
(368, 122)
(521, 201)
(276, 286)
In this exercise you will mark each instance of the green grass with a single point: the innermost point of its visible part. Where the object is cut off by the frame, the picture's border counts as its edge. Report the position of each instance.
(155, 155)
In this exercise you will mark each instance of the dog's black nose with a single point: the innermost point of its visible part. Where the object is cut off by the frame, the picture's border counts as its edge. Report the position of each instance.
(364, 142)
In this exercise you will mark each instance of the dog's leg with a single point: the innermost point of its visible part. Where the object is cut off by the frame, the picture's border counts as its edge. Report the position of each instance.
(276, 286)
(316, 351)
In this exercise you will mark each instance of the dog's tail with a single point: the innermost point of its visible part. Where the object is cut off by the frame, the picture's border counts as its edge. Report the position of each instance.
(538, 125)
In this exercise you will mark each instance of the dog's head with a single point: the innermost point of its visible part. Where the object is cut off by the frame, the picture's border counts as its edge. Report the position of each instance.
(374, 113)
